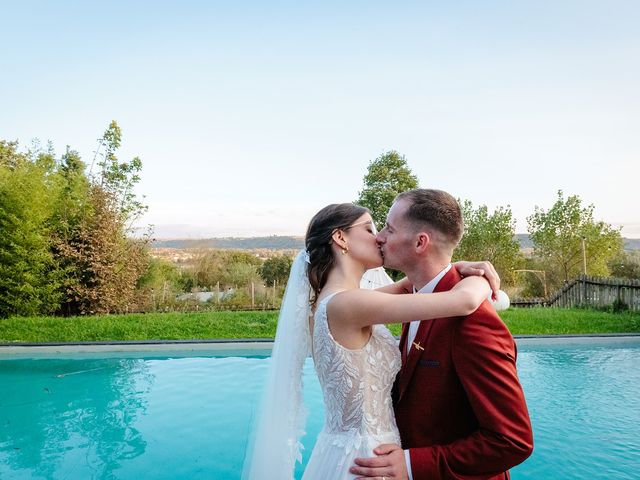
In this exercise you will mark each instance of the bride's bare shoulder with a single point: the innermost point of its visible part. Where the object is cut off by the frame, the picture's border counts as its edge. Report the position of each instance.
(349, 299)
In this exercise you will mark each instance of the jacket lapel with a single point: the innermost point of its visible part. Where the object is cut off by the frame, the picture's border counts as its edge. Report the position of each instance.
(414, 354)
(403, 342)
(408, 367)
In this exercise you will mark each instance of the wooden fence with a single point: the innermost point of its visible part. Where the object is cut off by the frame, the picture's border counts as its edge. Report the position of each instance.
(590, 292)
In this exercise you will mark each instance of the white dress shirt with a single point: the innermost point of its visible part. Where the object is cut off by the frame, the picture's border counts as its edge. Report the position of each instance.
(428, 288)
(411, 335)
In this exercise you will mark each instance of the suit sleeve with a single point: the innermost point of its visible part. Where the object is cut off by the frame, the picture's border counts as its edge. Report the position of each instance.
(485, 360)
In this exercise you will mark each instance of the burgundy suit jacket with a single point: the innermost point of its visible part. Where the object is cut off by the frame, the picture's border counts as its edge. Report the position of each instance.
(458, 402)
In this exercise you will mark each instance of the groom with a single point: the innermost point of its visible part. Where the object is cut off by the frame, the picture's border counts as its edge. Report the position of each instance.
(458, 402)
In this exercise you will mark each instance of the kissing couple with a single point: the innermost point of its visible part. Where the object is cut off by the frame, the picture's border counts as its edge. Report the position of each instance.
(445, 403)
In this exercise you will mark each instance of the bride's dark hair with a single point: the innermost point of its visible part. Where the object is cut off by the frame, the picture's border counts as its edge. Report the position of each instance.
(318, 240)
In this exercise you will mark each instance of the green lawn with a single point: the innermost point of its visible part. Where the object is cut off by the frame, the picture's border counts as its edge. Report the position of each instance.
(153, 326)
(553, 321)
(211, 325)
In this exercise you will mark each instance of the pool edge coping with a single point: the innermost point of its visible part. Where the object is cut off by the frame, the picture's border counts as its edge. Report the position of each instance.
(270, 340)
(249, 344)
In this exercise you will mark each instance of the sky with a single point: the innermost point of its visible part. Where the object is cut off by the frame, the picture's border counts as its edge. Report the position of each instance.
(251, 116)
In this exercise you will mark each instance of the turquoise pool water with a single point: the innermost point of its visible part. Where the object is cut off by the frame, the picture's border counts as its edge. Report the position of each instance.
(188, 418)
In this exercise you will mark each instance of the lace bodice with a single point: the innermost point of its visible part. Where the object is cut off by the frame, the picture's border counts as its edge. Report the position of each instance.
(356, 384)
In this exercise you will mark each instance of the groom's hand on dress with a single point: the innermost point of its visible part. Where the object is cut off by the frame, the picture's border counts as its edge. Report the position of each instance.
(389, 464)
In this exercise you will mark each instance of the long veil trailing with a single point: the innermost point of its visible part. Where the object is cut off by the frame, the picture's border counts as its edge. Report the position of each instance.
(274, 447)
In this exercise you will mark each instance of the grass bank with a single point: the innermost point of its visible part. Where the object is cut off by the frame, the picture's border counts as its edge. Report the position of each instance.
(229, 325)
(555, 321)
(150, 326)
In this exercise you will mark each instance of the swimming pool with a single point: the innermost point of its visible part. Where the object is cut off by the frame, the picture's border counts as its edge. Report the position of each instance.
(166, 416)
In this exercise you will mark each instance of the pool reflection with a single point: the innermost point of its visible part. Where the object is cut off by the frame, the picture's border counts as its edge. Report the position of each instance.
(68, 415)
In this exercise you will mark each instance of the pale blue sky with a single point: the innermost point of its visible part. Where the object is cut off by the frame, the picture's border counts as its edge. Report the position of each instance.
(250, 116)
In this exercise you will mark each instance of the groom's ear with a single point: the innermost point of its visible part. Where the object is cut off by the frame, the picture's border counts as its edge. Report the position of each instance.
(422, 242)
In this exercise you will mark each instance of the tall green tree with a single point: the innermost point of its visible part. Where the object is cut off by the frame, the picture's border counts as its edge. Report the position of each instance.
(29, 277)
(103, 264)
(386, 177)
(490, 236)
(566, 233)
(72, 207)
(116, 177)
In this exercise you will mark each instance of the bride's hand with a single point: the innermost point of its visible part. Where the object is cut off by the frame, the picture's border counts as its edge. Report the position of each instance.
(397, 288)
(481, 269)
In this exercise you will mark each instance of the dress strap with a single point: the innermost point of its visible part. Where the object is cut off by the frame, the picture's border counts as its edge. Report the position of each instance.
(326, 299)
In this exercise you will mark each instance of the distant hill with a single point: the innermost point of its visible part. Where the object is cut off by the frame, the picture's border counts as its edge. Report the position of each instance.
(525, 242)
(273, 242)
(632, 243)
(276, 242)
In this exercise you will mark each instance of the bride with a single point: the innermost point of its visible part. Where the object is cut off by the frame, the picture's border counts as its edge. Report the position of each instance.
(327, 314)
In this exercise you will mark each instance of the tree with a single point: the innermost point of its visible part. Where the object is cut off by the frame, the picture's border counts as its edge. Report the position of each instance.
(276, 269)
(71, 208)
(102, 264)
(118, 178)
(208, 270)
(240, 273)
(228, 267)
(159, 284)
(386, 177)
(490, 236)
(10, 157)
(63, 235)
(626, 265)
(566, 232)
(29, 277)
(105, 265)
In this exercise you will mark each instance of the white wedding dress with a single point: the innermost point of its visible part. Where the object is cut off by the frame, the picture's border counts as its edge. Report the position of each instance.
(356, 385)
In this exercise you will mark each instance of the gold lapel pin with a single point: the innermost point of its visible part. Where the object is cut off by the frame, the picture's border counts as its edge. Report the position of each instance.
(418, 346)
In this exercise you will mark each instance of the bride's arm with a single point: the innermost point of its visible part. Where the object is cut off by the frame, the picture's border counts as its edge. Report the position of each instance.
(361, 307)
(465, 268)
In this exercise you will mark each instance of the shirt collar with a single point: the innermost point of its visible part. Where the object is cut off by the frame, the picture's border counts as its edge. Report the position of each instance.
(429, 287)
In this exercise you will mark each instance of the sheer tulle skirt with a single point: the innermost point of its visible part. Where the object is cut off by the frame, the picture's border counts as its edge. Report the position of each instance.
(334, 453)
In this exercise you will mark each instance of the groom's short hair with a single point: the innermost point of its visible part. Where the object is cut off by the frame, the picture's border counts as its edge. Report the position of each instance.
(436, 209)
